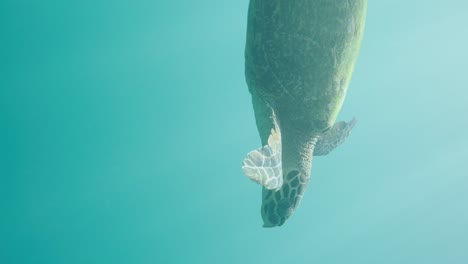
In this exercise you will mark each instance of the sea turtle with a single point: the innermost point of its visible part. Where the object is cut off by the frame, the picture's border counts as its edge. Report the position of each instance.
(300, 55)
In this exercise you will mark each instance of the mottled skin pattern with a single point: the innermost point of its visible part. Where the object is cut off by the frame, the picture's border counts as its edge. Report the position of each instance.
(300, 55)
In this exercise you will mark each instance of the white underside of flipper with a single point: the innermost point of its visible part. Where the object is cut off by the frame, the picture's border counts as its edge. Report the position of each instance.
(264, 165)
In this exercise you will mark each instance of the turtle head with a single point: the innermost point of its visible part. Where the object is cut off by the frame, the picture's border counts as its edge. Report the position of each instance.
(278, 205)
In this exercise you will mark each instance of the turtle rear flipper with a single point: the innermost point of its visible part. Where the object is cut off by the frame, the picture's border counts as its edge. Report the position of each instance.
(333, 137)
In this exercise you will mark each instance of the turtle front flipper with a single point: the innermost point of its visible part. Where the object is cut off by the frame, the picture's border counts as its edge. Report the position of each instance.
(333, 137)
(264, 165)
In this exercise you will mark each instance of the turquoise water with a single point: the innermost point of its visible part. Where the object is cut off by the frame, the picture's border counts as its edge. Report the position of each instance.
(124, 124)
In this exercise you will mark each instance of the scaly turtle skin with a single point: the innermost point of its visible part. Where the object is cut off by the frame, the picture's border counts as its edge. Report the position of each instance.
(300, 55)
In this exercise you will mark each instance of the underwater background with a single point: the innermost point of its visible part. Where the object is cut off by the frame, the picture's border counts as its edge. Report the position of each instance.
(123, 125)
